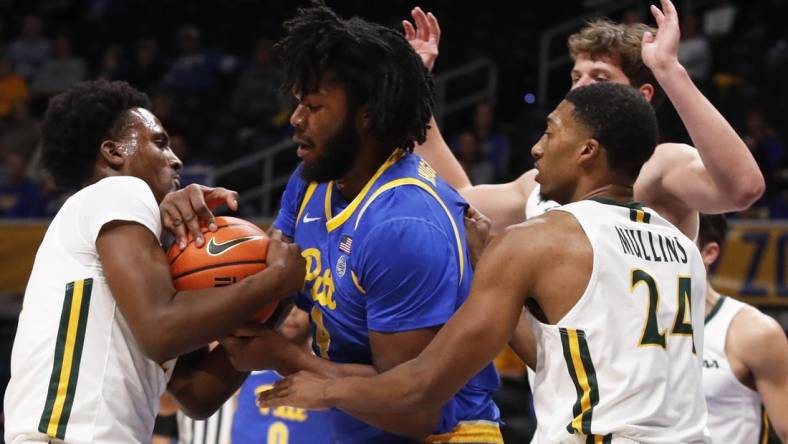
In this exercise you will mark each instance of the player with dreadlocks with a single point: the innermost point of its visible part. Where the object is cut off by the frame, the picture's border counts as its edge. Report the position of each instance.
(383, 236)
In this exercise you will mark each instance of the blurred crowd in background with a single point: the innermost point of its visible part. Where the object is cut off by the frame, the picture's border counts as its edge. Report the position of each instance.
(211, 73)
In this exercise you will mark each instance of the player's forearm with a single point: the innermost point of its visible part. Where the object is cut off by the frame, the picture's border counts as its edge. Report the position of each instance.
(202, 382)
(725, 155)
(323, 367)
(438, 154)
(196, 317)
(414, 424)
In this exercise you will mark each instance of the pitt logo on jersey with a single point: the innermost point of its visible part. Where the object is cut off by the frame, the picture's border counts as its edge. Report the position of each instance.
(323, 283)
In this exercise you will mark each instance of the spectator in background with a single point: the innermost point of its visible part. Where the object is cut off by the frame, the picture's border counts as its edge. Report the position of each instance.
(257, 99)
(20, 131)
(469, 153)
(13, 86)
(61, 71)
(147, 68)
(19, 196)
(718, 20)
(493, 143)
(112, 66)
(770, 153)
(31, 49)
(694, 51)
(196, 70)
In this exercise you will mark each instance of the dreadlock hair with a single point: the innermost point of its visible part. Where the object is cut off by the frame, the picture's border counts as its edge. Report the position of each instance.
(375, 64)
(77, 121)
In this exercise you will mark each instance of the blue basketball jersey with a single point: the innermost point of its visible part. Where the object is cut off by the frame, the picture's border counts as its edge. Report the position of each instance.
(256, 425)
(393, 259)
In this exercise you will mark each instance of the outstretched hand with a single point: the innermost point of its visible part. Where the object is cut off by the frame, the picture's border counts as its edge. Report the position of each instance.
(303, 389)
(425, 37)
(661, 51)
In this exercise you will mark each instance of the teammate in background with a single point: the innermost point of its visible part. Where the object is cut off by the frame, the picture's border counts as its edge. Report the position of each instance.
(101, 323)
(678, 181)
(745, 359)
(383, 235)
(615, 364)
(260, 425)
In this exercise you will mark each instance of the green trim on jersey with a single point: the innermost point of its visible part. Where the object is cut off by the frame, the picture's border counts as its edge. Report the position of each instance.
(581, 370)
(714, 309)
(68, 354)
(636, 212)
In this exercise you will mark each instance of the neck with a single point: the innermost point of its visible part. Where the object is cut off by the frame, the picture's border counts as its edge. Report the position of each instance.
(611, 191)
(711, 297)
(364, 167)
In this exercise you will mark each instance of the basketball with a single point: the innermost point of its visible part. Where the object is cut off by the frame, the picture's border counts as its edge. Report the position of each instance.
(237, 249)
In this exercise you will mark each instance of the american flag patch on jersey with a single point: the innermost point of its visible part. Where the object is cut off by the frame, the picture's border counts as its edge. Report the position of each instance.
(345, 244)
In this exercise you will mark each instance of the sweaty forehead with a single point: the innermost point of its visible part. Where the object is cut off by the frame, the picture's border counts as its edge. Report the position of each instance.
(146, 119)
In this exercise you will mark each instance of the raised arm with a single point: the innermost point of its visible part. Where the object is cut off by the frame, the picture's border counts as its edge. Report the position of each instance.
(722, 175)
(504, 204)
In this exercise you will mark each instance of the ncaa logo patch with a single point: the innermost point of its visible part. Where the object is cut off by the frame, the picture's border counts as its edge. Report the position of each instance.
(341, 265)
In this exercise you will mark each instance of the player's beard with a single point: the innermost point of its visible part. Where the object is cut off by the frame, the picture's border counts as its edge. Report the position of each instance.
(338, 155)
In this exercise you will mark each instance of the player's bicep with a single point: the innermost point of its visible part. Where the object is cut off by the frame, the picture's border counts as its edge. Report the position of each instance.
(136, 271)
(676, 173)
(392, 349)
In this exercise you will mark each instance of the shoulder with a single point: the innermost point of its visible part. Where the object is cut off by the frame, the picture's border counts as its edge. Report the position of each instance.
(752, 335)
(115, 185)
(544, 236)
(410, 201)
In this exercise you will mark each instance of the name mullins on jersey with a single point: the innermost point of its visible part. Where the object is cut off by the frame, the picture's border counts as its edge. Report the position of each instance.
(651, 246)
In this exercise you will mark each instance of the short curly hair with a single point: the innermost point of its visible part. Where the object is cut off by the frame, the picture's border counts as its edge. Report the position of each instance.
(77, 121)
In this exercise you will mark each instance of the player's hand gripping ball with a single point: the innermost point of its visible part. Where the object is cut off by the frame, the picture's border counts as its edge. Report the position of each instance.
(237, 249)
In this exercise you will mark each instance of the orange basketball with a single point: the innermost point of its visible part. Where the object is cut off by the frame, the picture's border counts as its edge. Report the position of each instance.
(237, 249)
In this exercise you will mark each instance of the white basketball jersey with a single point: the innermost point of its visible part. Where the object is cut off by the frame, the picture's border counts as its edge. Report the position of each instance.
(735, 410)
(77, 374)
(537, 205)
(624, 364)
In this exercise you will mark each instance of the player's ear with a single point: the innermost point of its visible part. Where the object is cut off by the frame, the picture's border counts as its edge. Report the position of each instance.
(589, 150)
(112, 154)
(647, 90)
(710, 252)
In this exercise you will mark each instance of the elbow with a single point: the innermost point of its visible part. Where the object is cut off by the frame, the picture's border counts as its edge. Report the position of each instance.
(157, 343)
(197, 412)
(749, 191)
